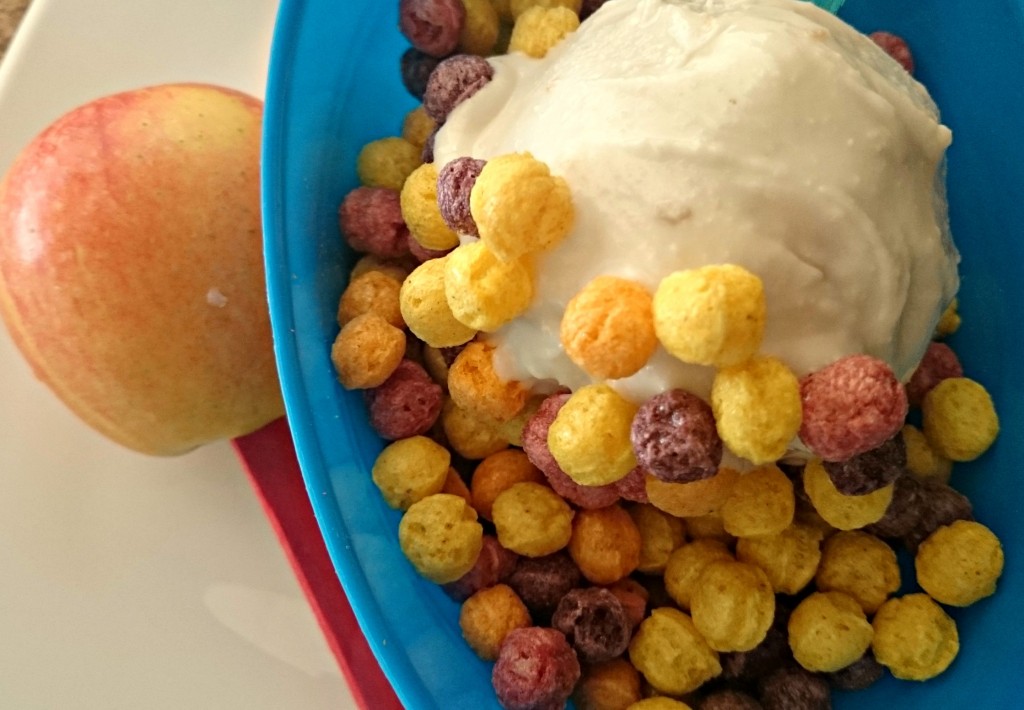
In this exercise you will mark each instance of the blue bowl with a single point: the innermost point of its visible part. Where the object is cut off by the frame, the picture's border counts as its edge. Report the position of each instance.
(334, 85)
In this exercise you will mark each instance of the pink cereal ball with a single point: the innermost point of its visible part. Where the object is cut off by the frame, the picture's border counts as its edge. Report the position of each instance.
(371, 221)
(896, 47)
(493, 565)
(633, 487)
(536, 668)
(939, 363)
(407, 404)
(432, 26)
(851, 406)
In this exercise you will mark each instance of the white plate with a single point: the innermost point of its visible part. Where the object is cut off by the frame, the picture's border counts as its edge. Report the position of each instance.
(129, 581)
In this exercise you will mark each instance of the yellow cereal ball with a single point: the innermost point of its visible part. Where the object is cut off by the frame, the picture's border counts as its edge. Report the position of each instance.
(922, 460)
(949, 323)
(409, 470)
(789, 558)
(454, 484)
(367, 351)
(842, 511)
(483, 292)
(480, 28)
(671, 654)
(421, 212)
(660, 535)
(476, 387)
(387, 162)
(532, 520)
(487, 617)
(372, 292)
(470, 436)
(861, 566)
(589, 437)
(518, 7)
(607, 328)
(959, 419)
(519, 206)
(659, 702)
(732, 605)
(441, 537)
(425, 308)
(959, 564)
(513, 428)
(693, 499)
(496, 474)
(914, 638)
(610, 685)
(389, 267)
(757, 408)
(685, 565)
(539, 29)
(713, 315)
(828, 631)
(436, 366)
(761, 503)
(504, 10)
(605, 544)
(417, 126)
(708, 527)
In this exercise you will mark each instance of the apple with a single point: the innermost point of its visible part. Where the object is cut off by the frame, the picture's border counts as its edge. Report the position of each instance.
(131, 266)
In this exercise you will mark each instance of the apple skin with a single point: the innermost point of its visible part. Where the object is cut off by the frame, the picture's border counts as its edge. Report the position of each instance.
(131, 266)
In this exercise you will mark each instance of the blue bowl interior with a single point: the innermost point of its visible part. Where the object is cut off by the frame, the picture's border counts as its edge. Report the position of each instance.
(334, 85)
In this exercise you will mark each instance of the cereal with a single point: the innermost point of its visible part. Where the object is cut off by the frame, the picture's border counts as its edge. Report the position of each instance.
(757, 408)
(519, 206)
(828, 631)
(480, 30)
(959, 563)
(539, 29)
(761, 503)
(861, 674)
(713, 315)
(417, 125)
(416, 68)
(470, 436)
(513, 428)
(789, 558)
(936, 505)
(746, 667)
(611, 685)
(497, 473)
(794, 688)
(729, 700)
(659, 702)
(851, 406)
(594, 623)
(607, 328)
(370, 219)
(536, 668)
(674, 437)
(441, 537)
(454, 184)
(504, 10)
(633, 486)
(455, 80)
(896, 47)
(732, 605)
(425, 308)
(493, 565)
(589, 437)
(694, 499)
(869, 471)
(542, 581)
(939, 363)
(409, 470)
(387, 163)
(518, 7)
(914, 638)
(685, 565)
(420, 210)
(841, 511)
(959, 419)
(484, 292)
(532, 520)
(432, 26)
(454, 484)
(367, 351)
(406, 404)
(605, 544)
(671, 654)
(949, 323)
(708, 527)
(922, 459)
(395, 268)
(861, 566)
(633, 597)
(488, 616)
(660, 535)
(476, 387)
(372, 292)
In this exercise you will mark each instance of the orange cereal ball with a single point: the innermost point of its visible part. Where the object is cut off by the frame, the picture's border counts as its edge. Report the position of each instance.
(828, 631)
(371, 262)
(949, 323)
(372, 292)
(469, 435)
(480, 27)
(367, 351)
(842, 511)
(409, 470)
(914, 638)
(589, 437)
(789, 558)
(421, 213)
(713, 315)
(686, 564)
(607, 328)
(610, 685)
(441, 537)
(959, 419)
(539, 29)
(959, 563)
(488, 616)
(483, 292)
(425, 309)
(757, 408)
(454, 484)
(761, 503)
(660, 535)
(671, 654)
(605, 544)
(417, 126)
(922, 460)
(518, 7)
(659, 702)
(387, 162)
(693, 499)
(732, 605)
(476, 387)
(532, 520)
(861, 566)
(519, 206)
(497, 473)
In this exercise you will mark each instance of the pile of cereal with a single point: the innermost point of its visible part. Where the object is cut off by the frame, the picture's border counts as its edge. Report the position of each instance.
(599, 548)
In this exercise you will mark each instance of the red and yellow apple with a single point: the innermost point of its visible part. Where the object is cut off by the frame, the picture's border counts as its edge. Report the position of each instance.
(131, 267)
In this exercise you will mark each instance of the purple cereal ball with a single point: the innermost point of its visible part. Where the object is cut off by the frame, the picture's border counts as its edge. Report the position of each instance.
(938, 505)
(768, 656)
(456, 79)
(939, 363)
(493, 565)
(860, 674)
(589, 7)
(594, 622)
(795, 688)
(675, 439)
(871, 470)
(454, 183)
(407, 404)
(416, 70)
(541, 582)
(729, 700)
(421, 253)
(536, 669)
(432, 26)
(633, 487)
(371, 222)
(904, 512)
(427, 154)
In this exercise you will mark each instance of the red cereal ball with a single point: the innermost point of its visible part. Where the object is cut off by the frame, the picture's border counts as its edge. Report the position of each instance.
(407, 404)
(594, 622)
(432, 26)
(416, 68)
(454, 183)
(896, 47)
(456, 79)
(494, 564)
(541, 582)
(871, 470)
(536, 669)
(939, 363)
(420, 253)
(675, 439)
(851, 406)
(371, 221)
(633, 487)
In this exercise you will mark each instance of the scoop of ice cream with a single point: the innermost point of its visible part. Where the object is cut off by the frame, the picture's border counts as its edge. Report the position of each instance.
(763, 133)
